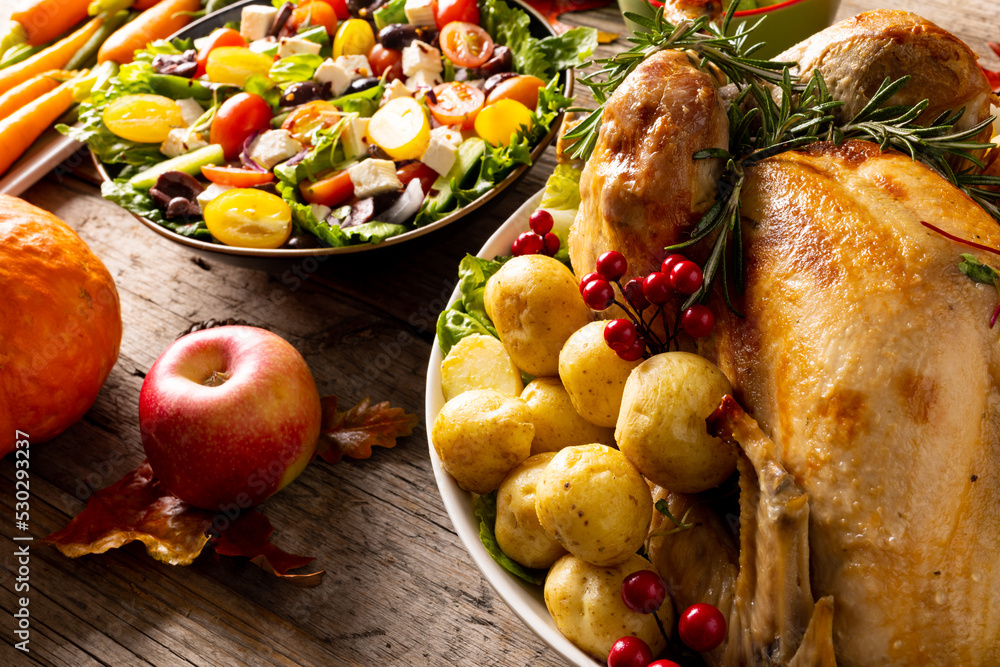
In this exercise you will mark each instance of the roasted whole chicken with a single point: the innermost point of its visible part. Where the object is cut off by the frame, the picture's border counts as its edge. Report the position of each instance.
(869, 526)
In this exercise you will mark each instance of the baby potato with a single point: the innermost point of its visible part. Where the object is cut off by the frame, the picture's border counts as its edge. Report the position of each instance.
(557, 423)
(661, 428)
(594, 375)
(594, 501)
(480, 436)
(585, 602)
(535, 305)
(518, 532)
(479, 362)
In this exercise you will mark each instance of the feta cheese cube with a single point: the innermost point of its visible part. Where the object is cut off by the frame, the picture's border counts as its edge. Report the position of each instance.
(440, 154)
(422, 79)
(320, 211)
(190, 110)
(452, 135)
(333, 74)
(354, 137)
(256, 21)
(419, 12)
(272, 147)
(357, 67)
(372, 177)
(293, 46)
(421, 56)
(396, 89)
(181, 140)
(211, 192)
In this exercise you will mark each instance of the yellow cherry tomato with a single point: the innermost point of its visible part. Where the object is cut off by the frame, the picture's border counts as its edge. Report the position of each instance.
(248, 218)
(498, 122)
(147, 119)
(401, 129)
(235, 64)
(354, 38)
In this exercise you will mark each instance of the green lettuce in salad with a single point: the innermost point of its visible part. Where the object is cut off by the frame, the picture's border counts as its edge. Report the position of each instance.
(485, 509)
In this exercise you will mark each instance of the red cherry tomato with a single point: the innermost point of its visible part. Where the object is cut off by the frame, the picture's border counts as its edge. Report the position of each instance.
(329, 191)
(239, 117)
(419, 170)
(382, 59)
(314, 13)
(221, 37)
(456, 103)
(446, 11)
(339, 8)
(236, 177)
(466, 44)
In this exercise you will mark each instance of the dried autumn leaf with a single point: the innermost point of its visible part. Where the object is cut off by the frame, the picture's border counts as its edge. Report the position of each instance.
(250, 536)
(553, 9)
(137, 507)
(355, 432)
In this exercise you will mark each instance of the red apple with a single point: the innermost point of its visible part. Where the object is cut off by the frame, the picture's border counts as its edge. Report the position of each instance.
(229, 416)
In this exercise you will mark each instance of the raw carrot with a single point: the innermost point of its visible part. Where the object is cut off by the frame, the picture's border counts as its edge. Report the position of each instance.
(158, 22)
(143, 5)
(45, 20)
(54, 57)
(32, 89)
(20, 129)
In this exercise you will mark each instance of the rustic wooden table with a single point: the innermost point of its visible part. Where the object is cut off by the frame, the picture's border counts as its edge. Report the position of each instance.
(400, 589)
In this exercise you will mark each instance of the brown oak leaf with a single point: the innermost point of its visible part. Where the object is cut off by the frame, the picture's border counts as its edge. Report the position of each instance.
(250, 536)
(355, 432)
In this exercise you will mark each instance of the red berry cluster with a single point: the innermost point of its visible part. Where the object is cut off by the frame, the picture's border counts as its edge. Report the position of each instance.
(701, 627)
(540, 240)
(632, 337)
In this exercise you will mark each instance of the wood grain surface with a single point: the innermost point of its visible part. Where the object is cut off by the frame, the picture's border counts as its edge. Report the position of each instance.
(399, 588)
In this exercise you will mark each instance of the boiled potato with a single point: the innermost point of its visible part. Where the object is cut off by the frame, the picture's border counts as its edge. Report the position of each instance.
(480, 436)
(594, 375)
(585, 602)
(535, 305)
(661, 428)
(479, 362)
(594, 501)
(557, 423)
(518, 532)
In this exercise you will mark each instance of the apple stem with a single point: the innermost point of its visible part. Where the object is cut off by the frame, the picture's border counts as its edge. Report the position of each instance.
(215, 379)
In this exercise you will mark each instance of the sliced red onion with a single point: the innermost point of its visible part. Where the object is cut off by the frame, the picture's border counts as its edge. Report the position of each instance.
(406, 206)
(245, 158)
(298, 157)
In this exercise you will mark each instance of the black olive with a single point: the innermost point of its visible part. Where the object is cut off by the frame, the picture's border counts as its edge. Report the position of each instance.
(179, 207)
(300, 93)
(302, 241)
(173, 184)
(377, 153)
(397, 35)
(361, 212)
(495, 80)
(361, 84)
(267, 187)
(180, 64)
(281, 19)
(502, 60)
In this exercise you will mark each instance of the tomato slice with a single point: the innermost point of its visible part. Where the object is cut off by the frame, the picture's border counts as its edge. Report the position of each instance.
(446, 11)
(339, 7)
(418, 170)
(466, 44)
(311, 116)
(456, 103)
(235, 176)
(314, 13)
(330, 191)
(221, 37)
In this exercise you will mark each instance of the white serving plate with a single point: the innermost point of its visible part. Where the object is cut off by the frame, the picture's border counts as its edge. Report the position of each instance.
(524, 599)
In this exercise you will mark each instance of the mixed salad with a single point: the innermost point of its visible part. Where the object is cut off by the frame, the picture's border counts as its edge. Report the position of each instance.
(327, 123)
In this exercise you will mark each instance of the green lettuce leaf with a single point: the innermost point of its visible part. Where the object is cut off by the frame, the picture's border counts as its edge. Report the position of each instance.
(294, 69)
(364, 103)
(261, 85)
(979, 272)
(373, 232)
(485, 508)
(139, 202)
(302, 215)
(562, 189)
(325, 155)
(467, 315)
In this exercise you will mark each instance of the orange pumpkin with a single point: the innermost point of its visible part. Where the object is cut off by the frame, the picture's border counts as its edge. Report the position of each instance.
(60, 324)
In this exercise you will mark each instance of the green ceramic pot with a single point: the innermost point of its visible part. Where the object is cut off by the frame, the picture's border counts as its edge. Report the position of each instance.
(785, 23)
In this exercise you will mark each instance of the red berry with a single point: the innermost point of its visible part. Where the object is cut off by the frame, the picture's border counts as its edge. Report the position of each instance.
(643, 591)
(634, 352)
(697, 321)
(620, 334)
(540, 222)
(663, 663)
(656, 288)
(669, 261)
(629, 652)
(633, 292)
(528, 243)
(612, 265)
(588, 278)
(551, 243)
(702, 627)
(598, 294)
(686, 277)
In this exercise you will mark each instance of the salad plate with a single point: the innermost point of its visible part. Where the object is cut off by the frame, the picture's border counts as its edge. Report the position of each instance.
(524, 600)
(203, 242)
